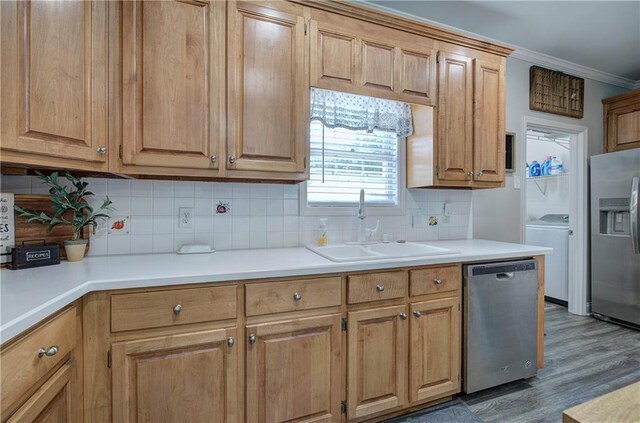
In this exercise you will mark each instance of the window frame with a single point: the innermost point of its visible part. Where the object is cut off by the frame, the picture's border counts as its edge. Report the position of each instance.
(337, 209)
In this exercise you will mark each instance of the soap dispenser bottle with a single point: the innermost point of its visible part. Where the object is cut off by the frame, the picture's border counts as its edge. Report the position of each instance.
(323, 233)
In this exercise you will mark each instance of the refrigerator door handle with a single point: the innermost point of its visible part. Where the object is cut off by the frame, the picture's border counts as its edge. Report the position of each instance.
(633, 212)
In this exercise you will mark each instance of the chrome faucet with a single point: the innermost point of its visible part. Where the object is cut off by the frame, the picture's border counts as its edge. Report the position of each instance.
(365, 235)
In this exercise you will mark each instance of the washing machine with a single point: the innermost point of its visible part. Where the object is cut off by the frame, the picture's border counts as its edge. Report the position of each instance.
(552, 230)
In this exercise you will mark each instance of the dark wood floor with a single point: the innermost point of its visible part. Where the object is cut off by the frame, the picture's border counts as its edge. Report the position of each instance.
(584, 358)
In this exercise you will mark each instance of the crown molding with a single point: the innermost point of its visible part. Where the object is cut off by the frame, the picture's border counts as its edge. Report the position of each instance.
(572, 68)
(521, 52)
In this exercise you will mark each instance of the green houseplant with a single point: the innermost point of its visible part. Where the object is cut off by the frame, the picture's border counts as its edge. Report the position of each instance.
(69, 199)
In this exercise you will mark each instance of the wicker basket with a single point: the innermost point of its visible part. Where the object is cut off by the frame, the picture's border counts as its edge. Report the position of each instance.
(555, 92)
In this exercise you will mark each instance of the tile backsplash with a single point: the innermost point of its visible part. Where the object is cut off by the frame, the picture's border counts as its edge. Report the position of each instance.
(229, 215)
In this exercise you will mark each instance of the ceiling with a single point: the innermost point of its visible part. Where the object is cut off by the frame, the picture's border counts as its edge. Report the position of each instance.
(602, 35)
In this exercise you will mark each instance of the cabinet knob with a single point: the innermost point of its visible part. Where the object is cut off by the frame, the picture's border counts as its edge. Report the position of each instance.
(232, 159)
(230, 341)
(470, 174)
(252, 338)
(177, 309)
(403, 316)
(480, 173)
(417, 313)
(437, 281)
(214, 159)
(49, 352)
(101, 150)
(379, 288)
(297, 296)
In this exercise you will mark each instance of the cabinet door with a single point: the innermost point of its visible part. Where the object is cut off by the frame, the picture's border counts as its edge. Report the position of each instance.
(188, 377)
(54, 80)
(434, 349)
(268, 89)
(173, 82)
(455, 114)
(623, 128)
(52, 403)
(416, 74)
(293, 370)
(488, 135)
(333, 57)
(377, 355)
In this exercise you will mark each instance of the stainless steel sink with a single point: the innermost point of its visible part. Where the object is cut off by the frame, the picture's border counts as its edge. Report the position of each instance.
(346, 253)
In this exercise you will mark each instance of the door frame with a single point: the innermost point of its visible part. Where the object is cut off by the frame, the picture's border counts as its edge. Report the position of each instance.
(578, 289)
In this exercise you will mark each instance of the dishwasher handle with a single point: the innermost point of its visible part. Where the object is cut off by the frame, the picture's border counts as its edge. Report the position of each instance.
(505, 275)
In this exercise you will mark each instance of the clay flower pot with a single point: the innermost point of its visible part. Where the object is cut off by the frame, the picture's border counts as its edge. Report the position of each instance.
(75, 249)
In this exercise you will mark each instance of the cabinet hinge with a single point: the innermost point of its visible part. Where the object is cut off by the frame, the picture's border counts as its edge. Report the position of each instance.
(343, 407)
(304, 162)
(438, 171)
(305, 29)
(109, 359)
(344, 324)
(458, 307)
(120, 151)
(438, 57)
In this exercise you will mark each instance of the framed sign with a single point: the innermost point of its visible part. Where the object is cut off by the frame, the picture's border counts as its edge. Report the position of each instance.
(556, 92)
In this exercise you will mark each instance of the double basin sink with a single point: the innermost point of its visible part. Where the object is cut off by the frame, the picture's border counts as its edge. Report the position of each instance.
(378, 251)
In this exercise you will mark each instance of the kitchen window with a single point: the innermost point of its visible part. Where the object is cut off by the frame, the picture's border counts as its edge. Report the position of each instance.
(356, 142)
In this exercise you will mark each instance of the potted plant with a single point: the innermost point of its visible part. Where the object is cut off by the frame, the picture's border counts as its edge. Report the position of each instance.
(67, 200)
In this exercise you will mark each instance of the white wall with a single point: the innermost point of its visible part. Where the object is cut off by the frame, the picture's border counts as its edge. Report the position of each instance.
(497, 213)
(262, 215)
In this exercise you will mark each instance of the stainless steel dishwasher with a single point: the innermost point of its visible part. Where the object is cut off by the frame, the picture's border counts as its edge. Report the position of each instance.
(500, 323)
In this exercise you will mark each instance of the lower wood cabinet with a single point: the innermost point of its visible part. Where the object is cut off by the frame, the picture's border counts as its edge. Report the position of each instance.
(434, 351)
(377, 360)
(52, 403)
(188, 377)
(293, 370)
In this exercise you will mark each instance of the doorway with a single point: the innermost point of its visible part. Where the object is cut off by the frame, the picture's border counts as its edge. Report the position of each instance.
(555, 208)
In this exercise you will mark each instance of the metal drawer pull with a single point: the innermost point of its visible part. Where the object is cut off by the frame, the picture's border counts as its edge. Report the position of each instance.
(417, 313)
(297, 296)
(177, 309)
(232, 159)
(437, 281)
(403, 316)
(101, 150)
(214, 159)
(252, 338)
(230, 341)
(49, 352)
(380, 288)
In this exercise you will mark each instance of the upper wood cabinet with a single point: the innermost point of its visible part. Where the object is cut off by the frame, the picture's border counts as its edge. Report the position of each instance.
(363, 58)
(268, 91)
(463, 145)
(622, 121)
(54, 83)
(435, 349)
(488, 121)
(173, 83)
(188, 377)
(293, 370)
(377, 360)
(455, 117)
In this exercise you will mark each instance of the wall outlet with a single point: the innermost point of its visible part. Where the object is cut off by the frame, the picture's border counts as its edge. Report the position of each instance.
(185, 217)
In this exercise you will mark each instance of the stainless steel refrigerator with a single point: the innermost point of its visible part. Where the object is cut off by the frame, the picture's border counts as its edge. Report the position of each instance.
(615, 236)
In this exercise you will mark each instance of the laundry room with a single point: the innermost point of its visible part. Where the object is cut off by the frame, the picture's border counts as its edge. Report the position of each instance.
(548, 199)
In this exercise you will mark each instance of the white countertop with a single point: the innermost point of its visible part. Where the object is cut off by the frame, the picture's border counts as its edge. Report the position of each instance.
(28, 296)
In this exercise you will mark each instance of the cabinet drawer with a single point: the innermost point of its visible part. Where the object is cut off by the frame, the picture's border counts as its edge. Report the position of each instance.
(435, 279)
(279, 297)
(22, 364)
(145, 310)
(376, 286)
